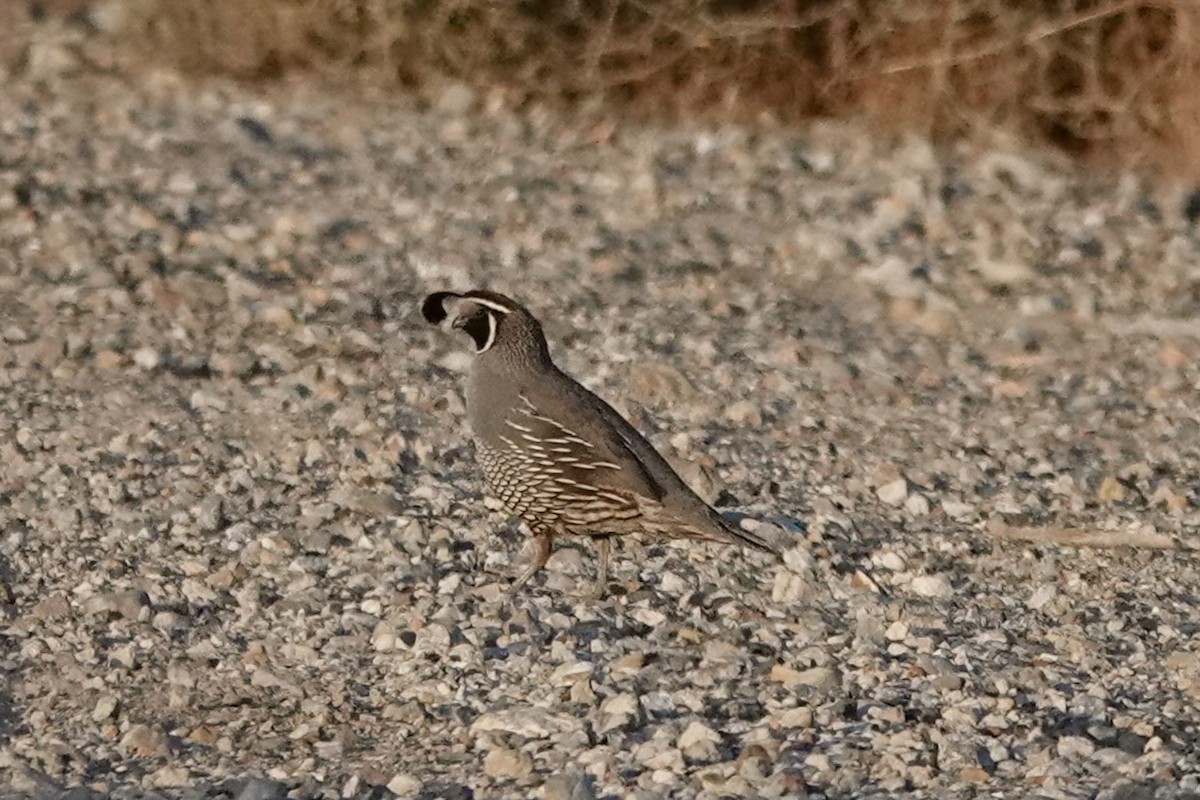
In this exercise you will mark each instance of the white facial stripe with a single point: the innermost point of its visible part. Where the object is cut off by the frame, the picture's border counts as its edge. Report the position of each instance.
(491, 334)
(494, 306)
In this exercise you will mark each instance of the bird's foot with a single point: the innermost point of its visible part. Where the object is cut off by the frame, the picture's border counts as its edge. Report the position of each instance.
(541, 554)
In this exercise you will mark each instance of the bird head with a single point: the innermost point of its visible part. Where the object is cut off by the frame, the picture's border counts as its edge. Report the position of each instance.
(493, 321)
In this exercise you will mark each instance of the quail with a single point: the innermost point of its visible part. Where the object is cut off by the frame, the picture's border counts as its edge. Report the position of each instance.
(557, 456)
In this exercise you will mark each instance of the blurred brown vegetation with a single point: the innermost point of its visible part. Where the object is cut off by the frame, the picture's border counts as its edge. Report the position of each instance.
(1112, 81)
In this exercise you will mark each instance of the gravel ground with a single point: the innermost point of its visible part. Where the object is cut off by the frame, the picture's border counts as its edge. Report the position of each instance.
(245, 551)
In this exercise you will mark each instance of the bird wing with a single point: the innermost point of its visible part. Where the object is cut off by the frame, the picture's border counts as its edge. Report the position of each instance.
(684, 505)
(606, 469)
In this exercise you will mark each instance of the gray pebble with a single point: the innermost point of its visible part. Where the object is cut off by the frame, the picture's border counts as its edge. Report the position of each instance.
(261, 789)
(571, 786)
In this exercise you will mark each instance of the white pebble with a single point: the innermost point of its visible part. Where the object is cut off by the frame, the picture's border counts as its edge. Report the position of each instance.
(931, 586)
(893, 493)
(146, 358)
(890, 560)
(917, 505)
(1041, 596)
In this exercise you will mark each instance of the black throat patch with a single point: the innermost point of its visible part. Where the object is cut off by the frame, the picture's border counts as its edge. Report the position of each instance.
(481, 327)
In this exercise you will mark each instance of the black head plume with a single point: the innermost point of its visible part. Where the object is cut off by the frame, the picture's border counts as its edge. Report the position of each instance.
(433, 309)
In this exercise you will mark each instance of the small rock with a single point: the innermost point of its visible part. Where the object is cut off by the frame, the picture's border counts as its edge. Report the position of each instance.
(973, 775)
(448, 790)
(409, 713)
(698, 741)
(262, 789)
(206, 401)
(255, 129)
(279, 316)
(616, 711)
(1111, 490)
(371, 606)
(792, 781)
(179, 675)
(957, 510)
(108, 360)
(931, 586)
(456, 100)
(798, 717)
(628, 665)
(168, 621)
(49, 59)
(144, 741)
(170, 777)
(78, 793)
(657, 755)
(790, 587)
(1004, 273)
(527, 722)
(571, 786)
(572, 672)
(1171, 356)
(893, 276)
(14, 335)
(314, 453)
(896, 632)
(507, 763)
(146, 358)
(947, 683)
(816, 677)
(937, 322)
(1041, 596)
(383, 638)
(743, 412)
(799, 560)
(1075, 746)
(1011, 388)
(210, 516)
(1112, 757)
(354, 343)
(131, 605)
(781, 673)
(104, 708)
(197, 593)
(1183, 661)
(1103, 733)
(917, 505)
(55, 607)
(650, 617)
(893, 493)
(656, 383)
(403, 785)
(1132, 743)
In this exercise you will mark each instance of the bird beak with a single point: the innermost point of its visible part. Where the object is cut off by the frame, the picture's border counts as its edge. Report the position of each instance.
(458, 322)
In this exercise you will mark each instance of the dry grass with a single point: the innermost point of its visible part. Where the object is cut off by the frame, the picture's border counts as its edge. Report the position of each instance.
(1110, 80)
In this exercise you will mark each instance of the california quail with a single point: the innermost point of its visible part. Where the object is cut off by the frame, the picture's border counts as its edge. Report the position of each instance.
(556, 455)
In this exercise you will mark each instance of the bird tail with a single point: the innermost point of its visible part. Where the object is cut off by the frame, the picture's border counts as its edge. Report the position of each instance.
(737, 535)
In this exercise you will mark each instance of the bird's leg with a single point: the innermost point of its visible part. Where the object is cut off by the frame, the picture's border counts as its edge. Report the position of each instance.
(541, 554)
(603, 547)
